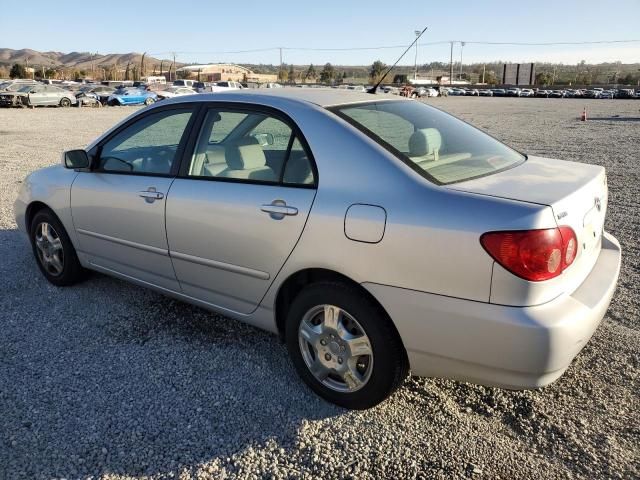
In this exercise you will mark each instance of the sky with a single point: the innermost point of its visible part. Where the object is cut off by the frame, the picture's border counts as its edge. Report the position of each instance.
(203, 31)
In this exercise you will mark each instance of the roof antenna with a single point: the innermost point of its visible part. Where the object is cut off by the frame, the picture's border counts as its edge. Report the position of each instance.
(375, 87)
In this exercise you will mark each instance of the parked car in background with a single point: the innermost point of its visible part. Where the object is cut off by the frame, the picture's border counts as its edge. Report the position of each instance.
(225, 86)
(15, 85)
(513, 92)
(356, 88)
(503, 279)
(608, 94)
(38, 95)
(175, 92)
(420, 92)
(99, 92)
(485, 92)
(184, 83)
(201, 87)
(499, 92)
(526, 92)
(557, 94)
(132, 96)
(271, 85)
(153, 80)
(472, 92)
(543, 93)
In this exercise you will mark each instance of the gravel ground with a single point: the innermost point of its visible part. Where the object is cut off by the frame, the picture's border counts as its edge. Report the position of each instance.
(107, 380)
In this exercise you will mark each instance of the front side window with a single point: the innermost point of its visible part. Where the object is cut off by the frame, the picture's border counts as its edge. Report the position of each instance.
(439, 146)
(147, 146)
(251, 146)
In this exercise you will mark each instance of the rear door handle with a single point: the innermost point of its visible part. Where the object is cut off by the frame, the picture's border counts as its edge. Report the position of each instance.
(150, 195)
(279, 209)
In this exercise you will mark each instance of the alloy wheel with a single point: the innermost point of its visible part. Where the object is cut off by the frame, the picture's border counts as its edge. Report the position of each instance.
(335, 348)
(49, 249)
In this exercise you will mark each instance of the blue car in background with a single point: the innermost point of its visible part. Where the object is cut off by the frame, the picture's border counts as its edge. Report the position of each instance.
(132, 96)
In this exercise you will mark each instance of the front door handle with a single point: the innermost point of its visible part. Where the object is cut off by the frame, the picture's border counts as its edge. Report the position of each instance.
(278, 209)
(151, 195)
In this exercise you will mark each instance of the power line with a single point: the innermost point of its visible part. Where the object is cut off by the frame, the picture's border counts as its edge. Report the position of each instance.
(390, 47)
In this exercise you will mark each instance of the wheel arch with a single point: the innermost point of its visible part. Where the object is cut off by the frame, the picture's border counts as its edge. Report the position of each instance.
(33, 208)
(294, 284)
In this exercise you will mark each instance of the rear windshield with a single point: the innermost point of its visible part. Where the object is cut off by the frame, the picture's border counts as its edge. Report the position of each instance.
(436, 144)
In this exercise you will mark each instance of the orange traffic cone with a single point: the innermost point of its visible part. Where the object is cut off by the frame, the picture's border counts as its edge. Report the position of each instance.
(583, 117)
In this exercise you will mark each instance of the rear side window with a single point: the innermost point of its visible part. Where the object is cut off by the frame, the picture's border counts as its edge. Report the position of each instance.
(437, 145)
(250, 146)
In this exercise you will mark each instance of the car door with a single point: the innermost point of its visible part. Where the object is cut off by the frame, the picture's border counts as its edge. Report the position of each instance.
(239, 205)
(38, 95)
(118, 207)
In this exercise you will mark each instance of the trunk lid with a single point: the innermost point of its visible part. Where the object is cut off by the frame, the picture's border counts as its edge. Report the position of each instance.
(576, 193)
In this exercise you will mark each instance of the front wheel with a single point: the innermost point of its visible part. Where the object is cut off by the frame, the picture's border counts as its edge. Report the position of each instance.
(65, 102)
(53, 250)
(343, 346)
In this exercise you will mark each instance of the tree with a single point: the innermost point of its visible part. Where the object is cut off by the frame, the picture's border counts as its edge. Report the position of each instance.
(142, 64)
(544, 78)
(490, 77)
(376, 71)
(282, 74)
(292, 74)
(18, 71)
(327, 74)
(311, 73)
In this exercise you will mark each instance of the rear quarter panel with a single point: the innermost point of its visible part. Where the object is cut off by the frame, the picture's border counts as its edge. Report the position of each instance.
(431, 240)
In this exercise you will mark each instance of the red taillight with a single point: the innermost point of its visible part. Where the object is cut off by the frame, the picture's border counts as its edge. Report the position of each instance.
(534, 255)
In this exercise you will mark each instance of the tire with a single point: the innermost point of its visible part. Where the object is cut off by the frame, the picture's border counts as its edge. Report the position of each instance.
(114, 103)
(65, 102)
(149, 101)
(54, 252)
(370, 377)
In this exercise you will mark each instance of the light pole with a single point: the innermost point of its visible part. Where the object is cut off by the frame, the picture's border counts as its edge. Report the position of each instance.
(461, 50)
(415, 71)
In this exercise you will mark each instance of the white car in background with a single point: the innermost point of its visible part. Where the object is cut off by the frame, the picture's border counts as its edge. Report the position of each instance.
(226, 86)
(175, 92)
(526, 92)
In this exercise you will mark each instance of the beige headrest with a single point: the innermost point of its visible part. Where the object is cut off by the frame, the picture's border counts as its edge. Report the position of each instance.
(426, 141)
(245, 157)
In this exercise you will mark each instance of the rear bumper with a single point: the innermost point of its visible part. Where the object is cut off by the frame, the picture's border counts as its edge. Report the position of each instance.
(511, 347)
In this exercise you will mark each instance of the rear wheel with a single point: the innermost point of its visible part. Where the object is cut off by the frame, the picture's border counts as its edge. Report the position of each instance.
(65, 102)
(343, 346)
(53, 250)
(149, 101)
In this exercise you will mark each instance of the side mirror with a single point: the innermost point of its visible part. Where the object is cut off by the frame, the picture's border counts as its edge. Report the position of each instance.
(76, 159)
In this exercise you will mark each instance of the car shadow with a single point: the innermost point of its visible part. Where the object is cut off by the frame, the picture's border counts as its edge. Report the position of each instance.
(109, 378)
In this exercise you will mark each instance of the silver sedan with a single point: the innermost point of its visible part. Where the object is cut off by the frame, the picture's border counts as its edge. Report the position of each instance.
(375, 235)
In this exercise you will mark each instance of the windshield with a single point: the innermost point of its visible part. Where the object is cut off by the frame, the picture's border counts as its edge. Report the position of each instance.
(25, 89)
(436, 144)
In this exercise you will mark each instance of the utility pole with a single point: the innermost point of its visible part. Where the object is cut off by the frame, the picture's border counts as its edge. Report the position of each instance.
(451, 66)
(174, 67)
(280, 72)
(461, 50)
(483, 70)
(415, 71)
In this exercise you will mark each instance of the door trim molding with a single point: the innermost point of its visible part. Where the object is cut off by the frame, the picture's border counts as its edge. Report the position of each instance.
(250, 272)
(127, 243)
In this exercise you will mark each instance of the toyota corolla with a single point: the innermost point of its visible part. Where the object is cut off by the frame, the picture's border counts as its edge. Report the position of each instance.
(376, 235)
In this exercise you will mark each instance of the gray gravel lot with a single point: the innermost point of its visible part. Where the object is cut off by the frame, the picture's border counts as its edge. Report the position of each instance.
(107, 380)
